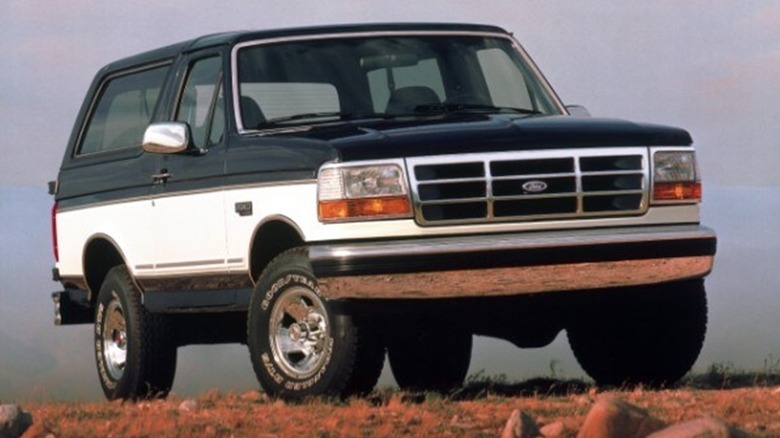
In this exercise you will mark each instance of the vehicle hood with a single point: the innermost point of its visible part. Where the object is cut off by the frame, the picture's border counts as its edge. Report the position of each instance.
(382, 139)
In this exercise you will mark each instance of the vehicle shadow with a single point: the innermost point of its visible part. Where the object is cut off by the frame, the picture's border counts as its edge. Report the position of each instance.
(479, 386)
(536, 387)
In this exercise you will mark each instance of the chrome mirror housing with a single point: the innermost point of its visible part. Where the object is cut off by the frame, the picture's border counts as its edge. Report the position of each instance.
(166, 138)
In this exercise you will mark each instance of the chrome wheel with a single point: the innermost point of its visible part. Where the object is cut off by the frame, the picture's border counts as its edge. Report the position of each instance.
(135, 350)
(298, 347)
(298, 332)
(115, 340)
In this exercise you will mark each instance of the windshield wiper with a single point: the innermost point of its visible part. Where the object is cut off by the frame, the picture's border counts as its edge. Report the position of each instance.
(307, 116)
(314, 116)
(471, 107)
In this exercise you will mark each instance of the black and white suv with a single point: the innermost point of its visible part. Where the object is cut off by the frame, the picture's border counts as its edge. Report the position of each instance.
(329, 195)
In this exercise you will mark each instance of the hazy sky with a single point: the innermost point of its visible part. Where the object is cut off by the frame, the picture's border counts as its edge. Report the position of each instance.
(709, 66)
(712, 67)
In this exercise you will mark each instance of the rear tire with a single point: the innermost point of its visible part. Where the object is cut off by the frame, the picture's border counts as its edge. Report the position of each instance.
(135, 350)
(646, 335)
(430, 357)
(299, 347)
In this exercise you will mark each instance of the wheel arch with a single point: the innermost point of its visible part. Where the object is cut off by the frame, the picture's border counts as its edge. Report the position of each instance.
(101, 253)
(271, 237)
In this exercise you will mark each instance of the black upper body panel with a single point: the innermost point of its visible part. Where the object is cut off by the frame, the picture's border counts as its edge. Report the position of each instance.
(381, 139)
(231, 38)
(297, 153)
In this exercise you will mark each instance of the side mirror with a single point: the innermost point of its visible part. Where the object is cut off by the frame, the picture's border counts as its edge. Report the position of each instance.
(166, 138)
(577, 111)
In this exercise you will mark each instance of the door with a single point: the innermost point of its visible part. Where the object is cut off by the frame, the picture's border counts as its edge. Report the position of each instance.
(188, 218)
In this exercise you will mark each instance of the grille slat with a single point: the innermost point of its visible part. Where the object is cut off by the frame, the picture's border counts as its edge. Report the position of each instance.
(534, 185)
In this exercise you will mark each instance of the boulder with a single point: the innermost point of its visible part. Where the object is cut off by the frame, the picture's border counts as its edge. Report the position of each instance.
(701, 428)
(520, 425)
(553, 430)
(610, 417)
(13, 421)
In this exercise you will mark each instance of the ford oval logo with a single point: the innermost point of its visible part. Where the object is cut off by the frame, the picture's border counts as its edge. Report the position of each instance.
(535, 186)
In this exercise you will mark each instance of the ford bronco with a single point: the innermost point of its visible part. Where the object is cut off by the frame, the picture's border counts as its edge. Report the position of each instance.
(332, 195)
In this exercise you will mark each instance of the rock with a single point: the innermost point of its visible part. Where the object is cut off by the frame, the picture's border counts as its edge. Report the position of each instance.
(13, 421)
(520, 425)
(553, 430)
(255, 396)
(611, 417)
(188, 405)
(701, 428)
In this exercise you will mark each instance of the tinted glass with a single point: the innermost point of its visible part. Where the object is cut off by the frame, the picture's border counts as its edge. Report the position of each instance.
(123, 111)
(347, 78)
(197, 106)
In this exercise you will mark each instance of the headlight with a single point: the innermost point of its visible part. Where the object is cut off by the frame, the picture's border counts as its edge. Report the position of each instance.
(362, 192)
(675, 177)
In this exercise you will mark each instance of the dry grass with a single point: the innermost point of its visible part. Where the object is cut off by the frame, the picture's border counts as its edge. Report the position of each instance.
(479, 409)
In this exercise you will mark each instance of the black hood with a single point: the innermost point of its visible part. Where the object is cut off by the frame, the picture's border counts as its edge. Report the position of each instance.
(368, 140)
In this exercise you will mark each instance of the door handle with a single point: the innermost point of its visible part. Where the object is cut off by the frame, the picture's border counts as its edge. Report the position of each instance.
(161, 177)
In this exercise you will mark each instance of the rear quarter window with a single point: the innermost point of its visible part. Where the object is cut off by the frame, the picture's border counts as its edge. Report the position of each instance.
(123, 111)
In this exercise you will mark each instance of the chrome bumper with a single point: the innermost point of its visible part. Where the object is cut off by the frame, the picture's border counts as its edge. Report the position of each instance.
(513, 264)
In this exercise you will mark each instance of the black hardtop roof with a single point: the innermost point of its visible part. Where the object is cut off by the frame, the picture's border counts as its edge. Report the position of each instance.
(230, 38)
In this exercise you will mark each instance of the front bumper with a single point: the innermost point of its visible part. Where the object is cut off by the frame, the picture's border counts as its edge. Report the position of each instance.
(513, 264)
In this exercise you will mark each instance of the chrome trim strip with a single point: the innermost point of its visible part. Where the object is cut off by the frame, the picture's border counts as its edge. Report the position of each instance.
(471, 244)
(516, 281)
(190, 264)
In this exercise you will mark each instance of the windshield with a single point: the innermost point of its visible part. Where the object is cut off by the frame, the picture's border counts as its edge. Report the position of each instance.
(323, 80)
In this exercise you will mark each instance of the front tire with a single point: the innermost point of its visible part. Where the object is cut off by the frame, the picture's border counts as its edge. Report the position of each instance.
(135, 350)
(298, 345)
(647, 335)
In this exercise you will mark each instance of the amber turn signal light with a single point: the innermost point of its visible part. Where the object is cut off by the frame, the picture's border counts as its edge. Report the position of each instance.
(382, 207)
(677, 191)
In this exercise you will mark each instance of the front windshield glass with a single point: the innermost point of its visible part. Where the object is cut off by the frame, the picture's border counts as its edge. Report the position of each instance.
(324, 80)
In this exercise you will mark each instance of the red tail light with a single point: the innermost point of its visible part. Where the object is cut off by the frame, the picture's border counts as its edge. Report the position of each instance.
(54, 233)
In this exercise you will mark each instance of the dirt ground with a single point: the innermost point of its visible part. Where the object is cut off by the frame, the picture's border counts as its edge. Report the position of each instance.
(478, 410)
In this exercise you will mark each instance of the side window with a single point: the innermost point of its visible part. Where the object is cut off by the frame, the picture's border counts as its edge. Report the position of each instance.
(201, 104)
(505, 81)
(425, 74)
(123, 111)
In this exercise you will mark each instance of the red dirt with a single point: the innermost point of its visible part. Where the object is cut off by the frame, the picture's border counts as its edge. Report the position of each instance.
(388, 414)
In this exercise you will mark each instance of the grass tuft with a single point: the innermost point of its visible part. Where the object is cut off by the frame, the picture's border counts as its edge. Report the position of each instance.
(727, 376)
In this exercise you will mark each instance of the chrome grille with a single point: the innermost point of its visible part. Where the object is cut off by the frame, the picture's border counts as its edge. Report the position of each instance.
(533, 185)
